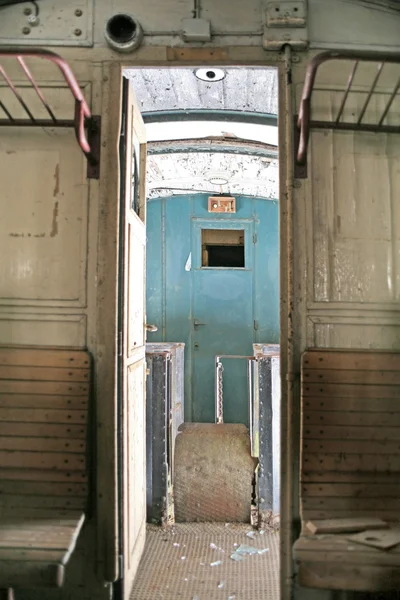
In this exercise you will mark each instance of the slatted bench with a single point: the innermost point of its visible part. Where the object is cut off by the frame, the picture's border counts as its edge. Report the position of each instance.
(350, 465)
(44, 397)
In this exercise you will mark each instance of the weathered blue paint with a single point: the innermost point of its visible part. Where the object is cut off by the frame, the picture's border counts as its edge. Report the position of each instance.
(237, 306)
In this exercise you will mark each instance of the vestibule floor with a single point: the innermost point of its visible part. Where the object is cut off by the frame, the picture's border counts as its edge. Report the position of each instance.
(193, 561)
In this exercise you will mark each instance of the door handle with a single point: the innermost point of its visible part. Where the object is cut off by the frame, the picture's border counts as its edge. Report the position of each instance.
(151, 328)
(197, 324)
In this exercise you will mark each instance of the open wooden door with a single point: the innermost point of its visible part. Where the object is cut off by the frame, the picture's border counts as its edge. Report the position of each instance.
(131, 329)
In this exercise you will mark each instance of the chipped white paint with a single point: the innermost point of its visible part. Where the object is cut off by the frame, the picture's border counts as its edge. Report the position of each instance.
(169, 174)
(43, 220)
(242, 89)
(352, 221)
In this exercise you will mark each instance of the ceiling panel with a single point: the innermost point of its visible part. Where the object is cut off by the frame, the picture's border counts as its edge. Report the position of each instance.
(243, 89)
(175, 173)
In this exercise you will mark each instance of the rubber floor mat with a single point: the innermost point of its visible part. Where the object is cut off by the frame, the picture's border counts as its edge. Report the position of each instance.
(193, 561)
(214, 472)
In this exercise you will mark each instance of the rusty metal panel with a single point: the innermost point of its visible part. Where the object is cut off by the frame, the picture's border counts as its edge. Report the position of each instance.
(156, 437)
(164, 414)
(267, 390)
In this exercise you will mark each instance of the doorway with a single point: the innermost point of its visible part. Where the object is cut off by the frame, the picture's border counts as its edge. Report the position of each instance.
(208, 276)
(224, 258)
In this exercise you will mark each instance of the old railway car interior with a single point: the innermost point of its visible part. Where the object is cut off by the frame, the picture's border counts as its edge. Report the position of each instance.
(199, 299)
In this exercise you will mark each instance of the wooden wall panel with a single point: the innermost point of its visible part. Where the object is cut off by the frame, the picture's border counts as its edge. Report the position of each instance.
(359, 331)
(43, 220)
(25, 328)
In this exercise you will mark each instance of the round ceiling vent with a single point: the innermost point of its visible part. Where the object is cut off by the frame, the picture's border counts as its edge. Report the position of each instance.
(210, 75)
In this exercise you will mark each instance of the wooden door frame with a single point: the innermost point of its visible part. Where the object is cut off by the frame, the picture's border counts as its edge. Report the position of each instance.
(107, 305)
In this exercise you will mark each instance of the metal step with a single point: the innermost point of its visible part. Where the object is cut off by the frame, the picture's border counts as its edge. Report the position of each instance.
(214, 472)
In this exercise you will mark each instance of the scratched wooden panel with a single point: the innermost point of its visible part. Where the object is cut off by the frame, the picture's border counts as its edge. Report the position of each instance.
(355, 217)
(350, 434)
(356, 332)
(43, 215)
(44, 329)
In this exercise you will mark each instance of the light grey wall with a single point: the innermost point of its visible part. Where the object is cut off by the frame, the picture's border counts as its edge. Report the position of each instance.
(331, 23)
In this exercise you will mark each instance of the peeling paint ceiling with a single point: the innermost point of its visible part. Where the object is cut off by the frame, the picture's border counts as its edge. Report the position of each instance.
(254, 89)
(169, 174)
(242, 89)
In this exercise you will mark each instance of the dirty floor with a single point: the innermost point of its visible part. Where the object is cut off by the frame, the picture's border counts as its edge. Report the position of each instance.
(193, 562)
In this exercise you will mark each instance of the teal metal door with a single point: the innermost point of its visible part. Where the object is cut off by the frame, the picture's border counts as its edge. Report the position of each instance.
(222, 322)
(237, 306)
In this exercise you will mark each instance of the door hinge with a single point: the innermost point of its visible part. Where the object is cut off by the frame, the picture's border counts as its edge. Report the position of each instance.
(121, 567)
(255, 324)
(254, 238)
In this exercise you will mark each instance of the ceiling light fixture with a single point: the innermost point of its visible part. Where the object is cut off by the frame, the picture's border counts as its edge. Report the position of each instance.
(218, 178)
(210, 75)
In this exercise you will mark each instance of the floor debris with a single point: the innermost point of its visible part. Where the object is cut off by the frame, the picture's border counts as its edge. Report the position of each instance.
(215, 547)
(162, 575)
(243, 550)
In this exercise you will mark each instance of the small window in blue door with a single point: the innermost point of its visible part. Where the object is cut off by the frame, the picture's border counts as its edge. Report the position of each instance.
(223, 248)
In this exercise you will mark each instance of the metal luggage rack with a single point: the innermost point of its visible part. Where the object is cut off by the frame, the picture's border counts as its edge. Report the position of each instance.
(304, 122)
(85, 125)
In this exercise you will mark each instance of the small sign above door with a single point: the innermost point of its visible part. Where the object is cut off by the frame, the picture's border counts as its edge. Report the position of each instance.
(224, 204)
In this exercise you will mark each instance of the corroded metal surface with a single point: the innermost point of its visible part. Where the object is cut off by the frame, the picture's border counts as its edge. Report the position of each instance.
(213, 473)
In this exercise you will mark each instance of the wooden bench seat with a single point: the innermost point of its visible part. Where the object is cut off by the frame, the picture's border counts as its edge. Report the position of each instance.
(44, 397)
(34, 552)
(350, 465)
(333, 562)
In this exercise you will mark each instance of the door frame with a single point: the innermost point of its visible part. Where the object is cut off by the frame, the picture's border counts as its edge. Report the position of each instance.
(107, 517)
